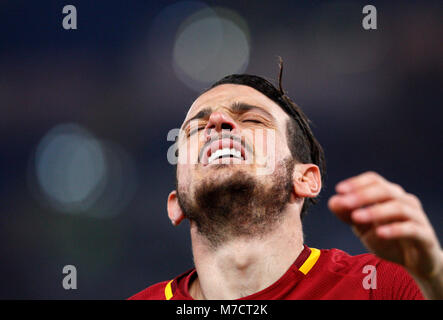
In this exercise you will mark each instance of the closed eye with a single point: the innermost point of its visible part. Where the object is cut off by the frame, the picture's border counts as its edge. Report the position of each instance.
(191, 132)
(252, 121)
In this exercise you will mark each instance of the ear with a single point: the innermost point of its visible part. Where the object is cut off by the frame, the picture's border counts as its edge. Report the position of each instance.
(307, 180)
(175, 213)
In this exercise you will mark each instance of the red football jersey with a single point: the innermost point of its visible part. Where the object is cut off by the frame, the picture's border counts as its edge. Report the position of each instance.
(315, 274)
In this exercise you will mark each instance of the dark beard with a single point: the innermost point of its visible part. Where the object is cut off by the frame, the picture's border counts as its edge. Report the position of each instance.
(241, 206)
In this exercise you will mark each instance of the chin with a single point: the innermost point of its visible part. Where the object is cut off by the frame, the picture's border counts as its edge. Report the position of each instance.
(226, 168)
(221, 172)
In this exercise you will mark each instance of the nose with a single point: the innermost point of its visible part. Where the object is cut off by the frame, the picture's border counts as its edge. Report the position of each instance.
(219, 121)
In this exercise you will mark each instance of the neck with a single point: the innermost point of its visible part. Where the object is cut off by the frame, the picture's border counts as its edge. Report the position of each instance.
(243, 266)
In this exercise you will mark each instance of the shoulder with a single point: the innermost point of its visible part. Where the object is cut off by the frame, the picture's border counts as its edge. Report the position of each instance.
(340, 261)
(153, 292)
(391, 280)
(166, 290)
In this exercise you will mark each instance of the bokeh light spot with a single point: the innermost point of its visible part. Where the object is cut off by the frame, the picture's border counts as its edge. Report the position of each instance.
(210, 44)
(78, 173)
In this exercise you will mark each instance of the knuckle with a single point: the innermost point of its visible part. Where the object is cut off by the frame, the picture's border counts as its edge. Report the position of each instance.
(393, 189)
(396, 189)
(385, 189)
(413, 199)
(373, 211)
(405, 208)
(361, 196)
(372, 176)
(399, 206)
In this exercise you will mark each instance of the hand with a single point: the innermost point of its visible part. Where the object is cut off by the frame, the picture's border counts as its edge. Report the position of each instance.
(390, 222)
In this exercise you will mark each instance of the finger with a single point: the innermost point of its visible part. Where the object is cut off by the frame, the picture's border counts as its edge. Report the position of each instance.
(366, 196)
(413, 200)
(382, 213)
(340, 211)
(423, 239)
(404, 230)
(359, 181)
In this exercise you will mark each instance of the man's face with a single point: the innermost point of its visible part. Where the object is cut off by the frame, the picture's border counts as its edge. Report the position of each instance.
(229, 134)
(236, 112)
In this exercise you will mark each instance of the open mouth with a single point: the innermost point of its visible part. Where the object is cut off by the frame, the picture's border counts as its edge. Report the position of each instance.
(225, 153)
(223, 148)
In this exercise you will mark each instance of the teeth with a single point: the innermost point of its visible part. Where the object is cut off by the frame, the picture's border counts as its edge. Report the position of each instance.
(225, 152)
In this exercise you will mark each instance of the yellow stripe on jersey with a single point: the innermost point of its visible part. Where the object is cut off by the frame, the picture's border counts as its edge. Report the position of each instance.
(312, 259)
(306, 266)
(168, 290)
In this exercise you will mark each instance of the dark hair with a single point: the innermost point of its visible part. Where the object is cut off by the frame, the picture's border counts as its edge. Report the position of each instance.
(303, 145)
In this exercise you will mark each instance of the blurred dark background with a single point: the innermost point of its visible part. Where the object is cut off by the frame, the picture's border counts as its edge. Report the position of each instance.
(84, 118)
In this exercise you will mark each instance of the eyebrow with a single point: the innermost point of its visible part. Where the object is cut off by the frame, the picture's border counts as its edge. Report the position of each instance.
(204, 113)
(237, 107)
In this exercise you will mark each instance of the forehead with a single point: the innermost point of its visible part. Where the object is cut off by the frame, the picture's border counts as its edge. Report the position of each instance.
(226, 95)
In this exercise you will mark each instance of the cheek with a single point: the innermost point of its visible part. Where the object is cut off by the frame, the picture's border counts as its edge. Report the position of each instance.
(187, 167)
(281, 148)
(268, 144)
(189, 150)
(184, 177)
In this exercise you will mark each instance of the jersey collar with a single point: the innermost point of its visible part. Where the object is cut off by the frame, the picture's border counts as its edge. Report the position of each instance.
(179, 287)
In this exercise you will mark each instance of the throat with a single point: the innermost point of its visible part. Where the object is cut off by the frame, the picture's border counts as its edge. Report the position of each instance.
(243, 267)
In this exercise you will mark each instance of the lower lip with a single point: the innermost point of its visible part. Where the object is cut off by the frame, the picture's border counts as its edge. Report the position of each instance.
(226, 161)
(225, 143)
